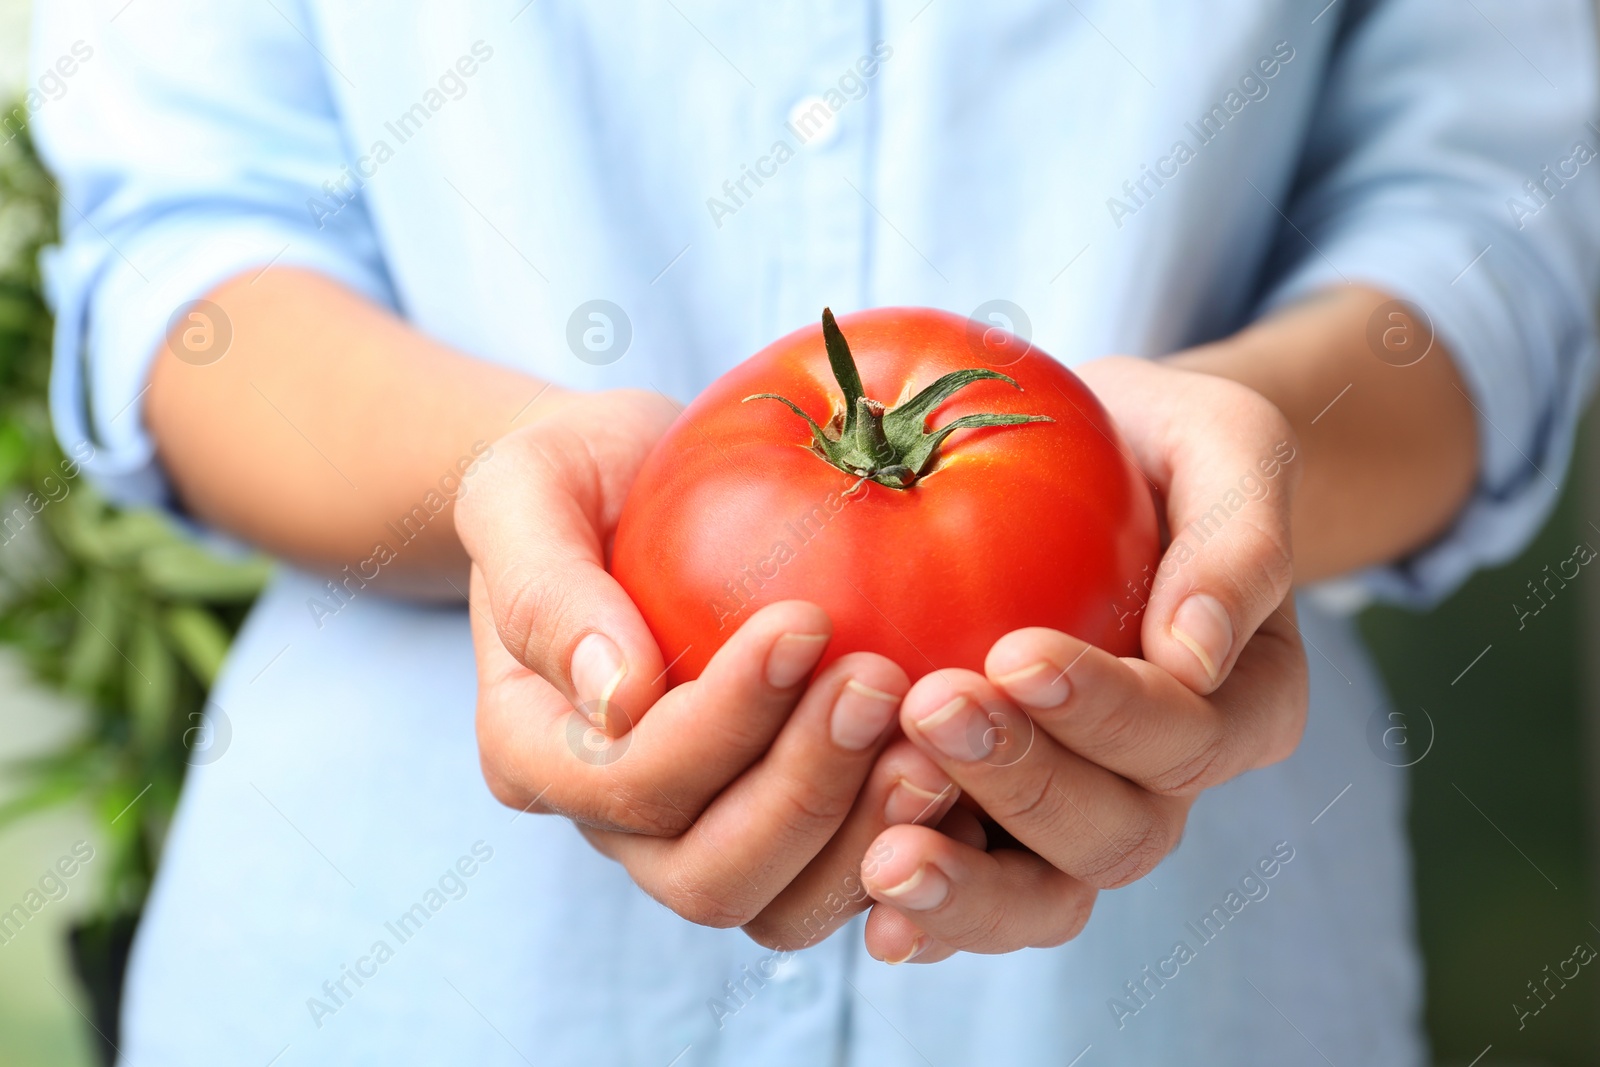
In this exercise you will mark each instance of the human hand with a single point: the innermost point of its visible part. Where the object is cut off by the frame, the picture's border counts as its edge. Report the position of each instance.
(714, 796)
(1090, 763)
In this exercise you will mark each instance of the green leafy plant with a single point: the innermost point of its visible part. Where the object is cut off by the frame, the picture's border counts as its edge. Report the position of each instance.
(116, 608)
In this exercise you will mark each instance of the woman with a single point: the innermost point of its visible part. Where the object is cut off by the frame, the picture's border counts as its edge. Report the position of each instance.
(458, 267)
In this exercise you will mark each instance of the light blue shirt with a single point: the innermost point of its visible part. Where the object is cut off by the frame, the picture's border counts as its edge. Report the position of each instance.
(1135, 177)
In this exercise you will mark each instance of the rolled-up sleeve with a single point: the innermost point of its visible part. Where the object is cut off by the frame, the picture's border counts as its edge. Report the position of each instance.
(198, 153)
(1454, 162)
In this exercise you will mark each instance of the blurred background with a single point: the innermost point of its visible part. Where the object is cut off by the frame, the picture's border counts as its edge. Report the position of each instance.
(111, 628)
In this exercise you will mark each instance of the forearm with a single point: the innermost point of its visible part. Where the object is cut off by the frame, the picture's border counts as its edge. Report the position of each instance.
(1390, 452)
(326, 424)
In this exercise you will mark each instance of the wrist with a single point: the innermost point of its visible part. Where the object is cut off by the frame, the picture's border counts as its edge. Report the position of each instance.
(1389, 449)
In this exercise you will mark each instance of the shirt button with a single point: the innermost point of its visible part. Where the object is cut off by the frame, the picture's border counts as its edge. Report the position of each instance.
(814, 122)
(795, 983)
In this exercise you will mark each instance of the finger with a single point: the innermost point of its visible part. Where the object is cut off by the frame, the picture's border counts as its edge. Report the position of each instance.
(1135, 719)
(894, 938)
(904, 786)
(536, 523)
(770, 823)
(511, 699)
(1082, 818)
(1224, 458)
(658, 777)
(987, 902)
(963, 825)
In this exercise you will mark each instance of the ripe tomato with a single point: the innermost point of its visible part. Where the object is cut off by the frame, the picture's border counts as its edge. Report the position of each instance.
(1019, 508)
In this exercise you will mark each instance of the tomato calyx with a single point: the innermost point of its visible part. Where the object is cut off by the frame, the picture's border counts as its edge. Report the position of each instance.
(890, 446)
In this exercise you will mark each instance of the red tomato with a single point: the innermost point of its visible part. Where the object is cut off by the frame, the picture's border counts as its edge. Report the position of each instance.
(921, 549)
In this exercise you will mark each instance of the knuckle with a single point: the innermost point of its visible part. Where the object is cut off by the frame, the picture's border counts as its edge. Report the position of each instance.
(700, 904)
(1132, 856)
(567, 462)
(808, 804)
(1285, 713)
(1037, 802)
(767, 932)
(1200, 770)
(785, 934)
(533, 611)
(1114, 727)
(505, 787)
(1075, 912)
(502, 789)
(1263, 562)
(1257, 569)
(1276, 558)
(985, 930)
(626, 808)
(993, 927)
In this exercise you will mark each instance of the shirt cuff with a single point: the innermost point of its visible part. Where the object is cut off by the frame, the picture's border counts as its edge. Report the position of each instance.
(1525, 351)
(113, 304)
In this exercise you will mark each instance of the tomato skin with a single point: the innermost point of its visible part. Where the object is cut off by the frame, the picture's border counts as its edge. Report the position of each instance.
(1040, 524)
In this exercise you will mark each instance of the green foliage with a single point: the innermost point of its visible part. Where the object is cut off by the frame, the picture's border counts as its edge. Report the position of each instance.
(116, 608)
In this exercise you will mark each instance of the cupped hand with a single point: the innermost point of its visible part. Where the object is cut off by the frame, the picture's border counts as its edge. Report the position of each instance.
(1085, 765)
(715, 796)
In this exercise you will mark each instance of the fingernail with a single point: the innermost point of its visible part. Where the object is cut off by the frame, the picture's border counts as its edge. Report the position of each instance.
(861, 715)
(597, 670)
(958, 730)
(1203, 627)
(919, 945)
(1043, 685)
(792, 657)
(908, 803)
(923, 891)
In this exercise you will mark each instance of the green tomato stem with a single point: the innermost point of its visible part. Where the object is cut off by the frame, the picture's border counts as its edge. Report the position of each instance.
(891, 446)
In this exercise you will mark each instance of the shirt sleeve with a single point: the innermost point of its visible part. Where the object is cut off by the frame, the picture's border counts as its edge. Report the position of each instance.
(199, 152)
(1452, 162)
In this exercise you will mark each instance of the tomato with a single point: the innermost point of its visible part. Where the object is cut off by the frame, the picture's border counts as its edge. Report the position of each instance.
(1019, 508)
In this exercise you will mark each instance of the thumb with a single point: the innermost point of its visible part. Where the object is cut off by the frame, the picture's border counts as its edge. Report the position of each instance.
(1226, 461)
(1230, 565)
(536, 525)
